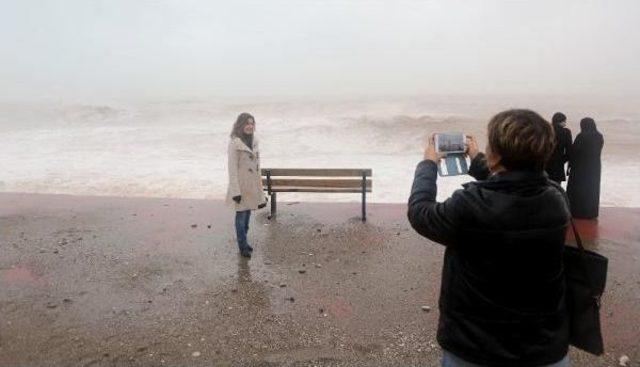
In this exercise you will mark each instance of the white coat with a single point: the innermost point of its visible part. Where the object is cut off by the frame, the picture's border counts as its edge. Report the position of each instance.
(244, 175)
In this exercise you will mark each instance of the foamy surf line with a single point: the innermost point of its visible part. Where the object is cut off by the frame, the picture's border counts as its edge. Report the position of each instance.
(179, 150)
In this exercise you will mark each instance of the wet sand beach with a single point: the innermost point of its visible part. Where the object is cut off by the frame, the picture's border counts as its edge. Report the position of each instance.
(106, 281)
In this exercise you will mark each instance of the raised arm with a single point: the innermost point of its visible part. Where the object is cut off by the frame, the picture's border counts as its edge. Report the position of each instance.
(436, 221)
(478, 168)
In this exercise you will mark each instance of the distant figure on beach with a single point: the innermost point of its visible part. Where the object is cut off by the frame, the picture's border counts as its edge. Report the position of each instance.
(502, 297)
(560, 155)
(583, 187)
(245, 190)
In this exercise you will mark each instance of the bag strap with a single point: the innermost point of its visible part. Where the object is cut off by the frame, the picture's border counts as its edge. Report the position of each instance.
(573, 224)
(576, 234)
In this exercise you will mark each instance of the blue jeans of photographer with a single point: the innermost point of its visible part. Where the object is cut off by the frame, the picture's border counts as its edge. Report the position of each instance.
(451, 360)
(242, 228)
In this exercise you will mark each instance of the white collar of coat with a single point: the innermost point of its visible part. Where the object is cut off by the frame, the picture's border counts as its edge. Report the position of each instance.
(240, 145)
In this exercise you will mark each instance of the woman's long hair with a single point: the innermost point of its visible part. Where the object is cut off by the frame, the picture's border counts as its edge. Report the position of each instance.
(239, 124)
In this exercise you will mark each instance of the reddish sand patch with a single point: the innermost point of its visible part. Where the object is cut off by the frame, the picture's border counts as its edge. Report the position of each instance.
(614, 224)
(20, 274)
(340, 308)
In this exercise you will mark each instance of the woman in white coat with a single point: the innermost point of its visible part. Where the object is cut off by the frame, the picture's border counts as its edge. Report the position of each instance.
(245, 190)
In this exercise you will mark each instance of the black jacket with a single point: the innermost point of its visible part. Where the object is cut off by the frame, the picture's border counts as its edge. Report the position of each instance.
(560, 155)
(502, 297)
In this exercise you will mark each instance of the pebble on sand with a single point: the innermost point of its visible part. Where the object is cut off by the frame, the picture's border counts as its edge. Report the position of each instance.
(426, 308)
(196, 354)
(302, 271)
(194, 226)
(624, 360)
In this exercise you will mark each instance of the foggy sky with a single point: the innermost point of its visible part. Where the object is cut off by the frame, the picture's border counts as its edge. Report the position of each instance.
(92, 49)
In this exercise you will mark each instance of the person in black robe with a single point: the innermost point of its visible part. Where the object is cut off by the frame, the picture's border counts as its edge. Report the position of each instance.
(560, 155)
(583, 188)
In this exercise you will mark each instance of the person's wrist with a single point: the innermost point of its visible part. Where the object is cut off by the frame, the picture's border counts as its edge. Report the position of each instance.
(429, 156)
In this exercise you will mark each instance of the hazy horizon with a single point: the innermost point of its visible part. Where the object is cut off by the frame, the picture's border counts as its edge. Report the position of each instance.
(84, 52)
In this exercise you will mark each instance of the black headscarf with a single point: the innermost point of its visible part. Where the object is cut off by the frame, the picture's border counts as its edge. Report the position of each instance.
(559, 119)
(588, 125)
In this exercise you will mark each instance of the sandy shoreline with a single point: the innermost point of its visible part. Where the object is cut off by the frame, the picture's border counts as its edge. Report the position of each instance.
(103, 281)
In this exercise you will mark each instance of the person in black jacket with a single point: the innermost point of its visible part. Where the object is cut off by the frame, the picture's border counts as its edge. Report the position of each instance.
(560, 155)
(584, 171)
(502, 297)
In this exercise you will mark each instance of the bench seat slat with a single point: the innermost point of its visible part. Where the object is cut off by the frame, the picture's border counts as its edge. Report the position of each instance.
(336, 183)
(318, 172)
(315, 189)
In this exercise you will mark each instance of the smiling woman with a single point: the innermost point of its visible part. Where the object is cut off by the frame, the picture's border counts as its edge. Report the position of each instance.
(245, 191)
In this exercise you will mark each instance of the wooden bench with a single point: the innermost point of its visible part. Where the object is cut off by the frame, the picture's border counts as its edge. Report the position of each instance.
(330, 180)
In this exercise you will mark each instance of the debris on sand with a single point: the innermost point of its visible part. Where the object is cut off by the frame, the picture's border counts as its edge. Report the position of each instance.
(624, 361)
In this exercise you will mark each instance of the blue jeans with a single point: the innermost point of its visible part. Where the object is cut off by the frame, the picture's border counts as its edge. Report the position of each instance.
(242, 228)
(450, 360)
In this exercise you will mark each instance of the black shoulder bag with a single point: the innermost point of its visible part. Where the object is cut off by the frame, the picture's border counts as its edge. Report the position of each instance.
(586, 274)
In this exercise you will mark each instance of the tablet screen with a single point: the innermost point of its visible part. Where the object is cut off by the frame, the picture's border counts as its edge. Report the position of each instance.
(450, 143)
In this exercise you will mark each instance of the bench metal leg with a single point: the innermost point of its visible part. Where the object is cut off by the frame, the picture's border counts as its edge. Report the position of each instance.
(364, 197)
(273, 205)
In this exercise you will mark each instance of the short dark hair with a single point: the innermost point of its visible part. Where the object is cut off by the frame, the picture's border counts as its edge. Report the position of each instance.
(523, 139)
(558, 117)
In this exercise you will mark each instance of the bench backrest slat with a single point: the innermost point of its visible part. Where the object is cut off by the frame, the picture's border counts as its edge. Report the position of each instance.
(317, 172)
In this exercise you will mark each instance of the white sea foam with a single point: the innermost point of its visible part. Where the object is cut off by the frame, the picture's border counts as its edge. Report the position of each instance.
(179, 149)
